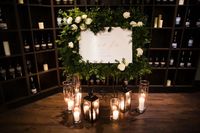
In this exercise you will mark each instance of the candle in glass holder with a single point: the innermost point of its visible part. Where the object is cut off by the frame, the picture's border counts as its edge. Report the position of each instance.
(76, 114)
(122, 104)
(70, 104)
(115, 114)
(78, 97)
(141, 103)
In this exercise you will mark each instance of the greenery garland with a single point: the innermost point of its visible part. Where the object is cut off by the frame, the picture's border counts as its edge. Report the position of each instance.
(74, 21)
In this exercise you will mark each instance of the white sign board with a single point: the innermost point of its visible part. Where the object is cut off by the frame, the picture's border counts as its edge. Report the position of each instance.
(106, 46)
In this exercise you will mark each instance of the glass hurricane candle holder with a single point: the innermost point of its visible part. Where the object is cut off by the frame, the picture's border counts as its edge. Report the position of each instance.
(114, 109)
(142, 95)
(77, 114)
(68, 92)
(91, 107)
(125, 98)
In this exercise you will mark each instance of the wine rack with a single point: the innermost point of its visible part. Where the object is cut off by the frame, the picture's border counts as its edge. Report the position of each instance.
(32, 28)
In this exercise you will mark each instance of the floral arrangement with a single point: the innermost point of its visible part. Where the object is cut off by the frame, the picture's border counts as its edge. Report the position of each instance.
(74, 21)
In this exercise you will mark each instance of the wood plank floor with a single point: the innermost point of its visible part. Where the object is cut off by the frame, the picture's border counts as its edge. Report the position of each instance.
(166, 113)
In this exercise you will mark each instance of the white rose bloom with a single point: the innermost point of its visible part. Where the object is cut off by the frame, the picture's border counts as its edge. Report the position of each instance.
(74, 51)
(121, 67)
(133, 23)
(74, 27)
(88, 21)
(84, 16)
(80, 61)
(139, 52)
(70, 45)
(140, 23)
(78, 19)
(126, 15)
(69, 20)
(82, 26)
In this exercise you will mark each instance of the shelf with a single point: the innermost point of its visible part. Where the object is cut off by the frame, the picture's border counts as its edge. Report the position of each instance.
(159, 49)
(45, 29)
(44, 51)
(39, 5)
(11, 56)
(50, 70)
(10, 80)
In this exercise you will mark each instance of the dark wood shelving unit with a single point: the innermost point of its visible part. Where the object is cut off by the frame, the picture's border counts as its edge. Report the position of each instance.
(22, 20)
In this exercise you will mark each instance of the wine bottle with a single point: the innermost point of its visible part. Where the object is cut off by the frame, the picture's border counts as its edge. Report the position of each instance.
(150, 61)
(11, 71)
(162, 63)
(156, 63)
(189, 62)
(187, 22)
(2, 73)
(29, 66)
(65, 2)
(178, 19)
(49, 43)
(3, 25)
(174, 43)
(37, 45)
(6, 47)
(71, 2)
(33, 87)
(45, 67)
(181, 2)
(182, 63)
(171, 62)
(190, 41)
(198, 23)
(26, 46)
(18, 70)
(43, 44)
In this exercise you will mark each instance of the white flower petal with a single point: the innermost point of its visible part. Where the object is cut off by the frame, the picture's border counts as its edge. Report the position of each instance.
(121, 67)
(70, 44)
(88, 21)
(139, 52)
(84, 16)
(78, 19)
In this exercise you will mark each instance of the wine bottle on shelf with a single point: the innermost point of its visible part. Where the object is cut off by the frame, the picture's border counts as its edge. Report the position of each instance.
(198, 23)
(6, 47)
(18, 70)
(65, 2)
(174, 43)
(181, 2)
(43, 44)
(58, 2)
(71, 2)
(3, 25)
(190, 41)
(171, 62)
(162, 63)
(189, 62)
(49, 43)
(182, 62)
(20, 1)
(33, 86)
(11, 71)
(2, 73)
(178, 19)
(187, 22)
(156, 63)
(150, 61)
(45, 67)
(37, 45)
(26, 46)
(29, 66)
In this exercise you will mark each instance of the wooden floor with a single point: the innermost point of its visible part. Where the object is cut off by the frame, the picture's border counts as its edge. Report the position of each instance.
(166, 113)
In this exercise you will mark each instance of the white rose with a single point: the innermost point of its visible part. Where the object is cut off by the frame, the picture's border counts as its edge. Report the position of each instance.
(74, 27)
(88, 21)
(74, 51)
(133, 23)
(126, 15)
(121, 67)
(82, 26)
(78, 19)
(140, 23)
(70, 45)
(69, 20)
(84, 16)
(80, 61)
(139, 52)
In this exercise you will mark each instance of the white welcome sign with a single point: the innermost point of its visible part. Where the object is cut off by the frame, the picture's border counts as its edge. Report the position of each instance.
(106, 46)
